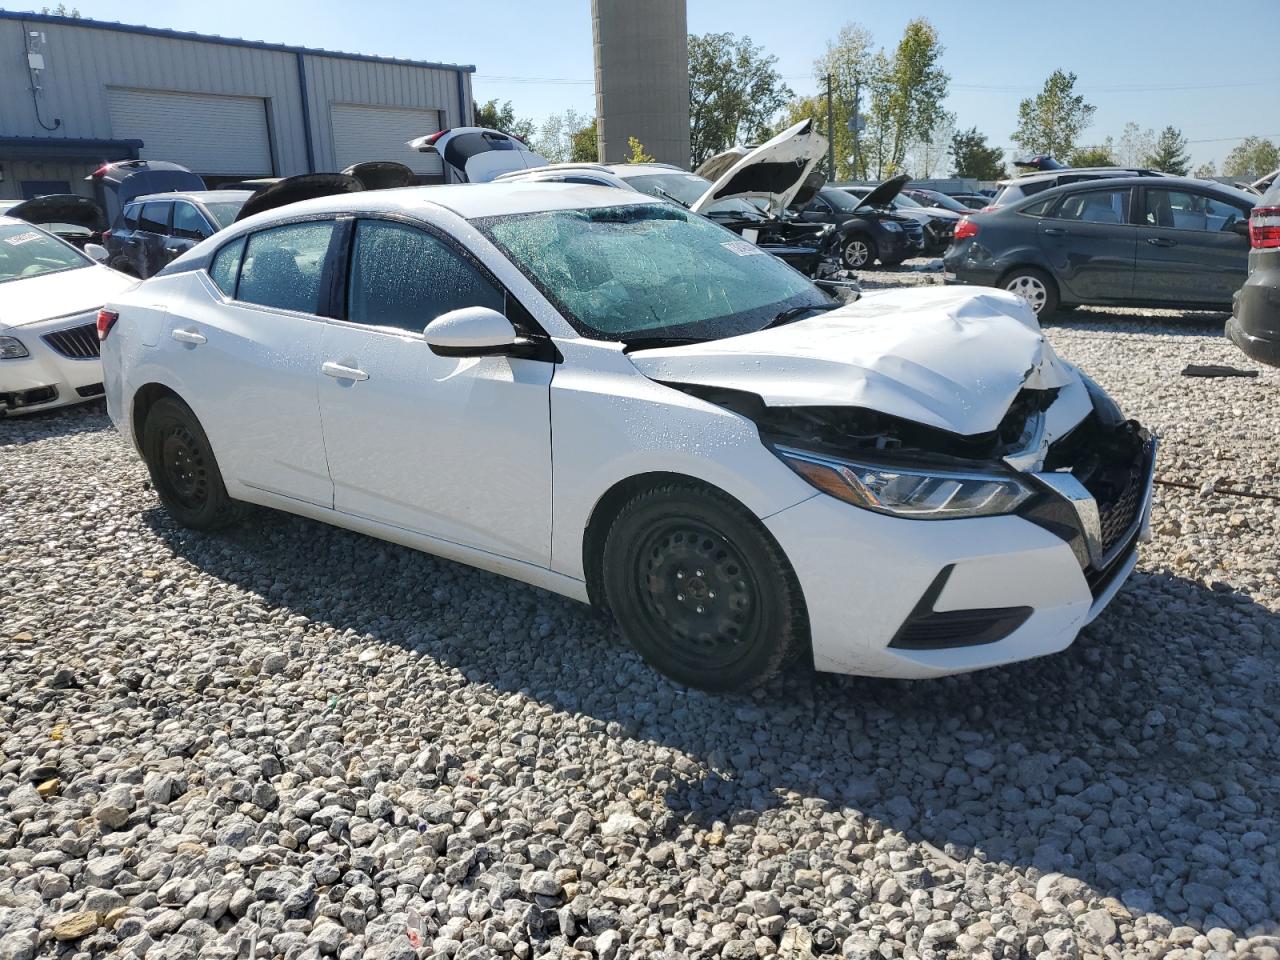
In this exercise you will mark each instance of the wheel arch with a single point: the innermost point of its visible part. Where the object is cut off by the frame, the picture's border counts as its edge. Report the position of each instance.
(610, 504)
(144, 398)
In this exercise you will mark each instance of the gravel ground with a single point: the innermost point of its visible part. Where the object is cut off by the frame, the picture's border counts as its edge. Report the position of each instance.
(304, 739)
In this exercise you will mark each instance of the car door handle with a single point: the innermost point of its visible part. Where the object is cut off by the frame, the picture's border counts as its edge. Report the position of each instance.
(188, 336)
(339, 372)
(1054, 232)
(1161, 242)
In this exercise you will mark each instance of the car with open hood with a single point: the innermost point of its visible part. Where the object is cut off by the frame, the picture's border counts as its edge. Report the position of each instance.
(936, 223)
(478, 154)
(50, 294)
(68, 216)
(618, 400)
(871, 230)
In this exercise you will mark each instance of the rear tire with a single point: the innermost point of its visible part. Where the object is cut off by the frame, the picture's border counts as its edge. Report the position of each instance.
(701, 590)
(1035, 286)
(183, 469)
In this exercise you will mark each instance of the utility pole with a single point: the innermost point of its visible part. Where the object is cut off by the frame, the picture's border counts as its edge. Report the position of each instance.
(831, 135)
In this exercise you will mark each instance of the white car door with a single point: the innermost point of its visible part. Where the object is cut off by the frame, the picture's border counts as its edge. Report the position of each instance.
(247, 353)
(455, 448)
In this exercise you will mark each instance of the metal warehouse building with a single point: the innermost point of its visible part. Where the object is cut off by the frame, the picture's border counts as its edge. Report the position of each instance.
(78, 93)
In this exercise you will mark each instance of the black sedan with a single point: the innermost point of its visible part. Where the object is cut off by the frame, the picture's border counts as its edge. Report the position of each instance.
(1127, 241)
(1255, 318)
(871, 229)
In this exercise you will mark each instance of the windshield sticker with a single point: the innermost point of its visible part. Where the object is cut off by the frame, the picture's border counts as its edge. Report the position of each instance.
(22, 238)
(742, 248)
(751, 236)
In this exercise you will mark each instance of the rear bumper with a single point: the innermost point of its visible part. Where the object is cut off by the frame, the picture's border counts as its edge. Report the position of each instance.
(1254, 325)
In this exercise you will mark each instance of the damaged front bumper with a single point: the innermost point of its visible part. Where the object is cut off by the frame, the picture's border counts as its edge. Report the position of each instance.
(972, 593)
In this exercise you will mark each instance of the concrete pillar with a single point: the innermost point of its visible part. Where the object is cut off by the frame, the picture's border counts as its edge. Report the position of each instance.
(642, 78)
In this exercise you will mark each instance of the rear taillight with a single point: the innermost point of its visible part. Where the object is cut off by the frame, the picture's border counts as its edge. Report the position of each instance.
(106, 235)
(106, 320)
(101, 171)
(436, 136)
(965, 229)
(988, 208)
(1264, 228)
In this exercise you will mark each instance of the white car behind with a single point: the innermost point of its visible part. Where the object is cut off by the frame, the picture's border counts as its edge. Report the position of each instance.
(615, 399)
(50, 294)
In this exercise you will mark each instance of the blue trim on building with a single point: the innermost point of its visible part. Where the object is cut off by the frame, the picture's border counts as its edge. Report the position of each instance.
(76, 147)
(226, 41)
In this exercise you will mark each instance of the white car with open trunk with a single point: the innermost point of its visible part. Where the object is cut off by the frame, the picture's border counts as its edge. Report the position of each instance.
(617, 400)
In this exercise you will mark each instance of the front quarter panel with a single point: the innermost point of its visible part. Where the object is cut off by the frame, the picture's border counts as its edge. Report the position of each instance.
(611, 423)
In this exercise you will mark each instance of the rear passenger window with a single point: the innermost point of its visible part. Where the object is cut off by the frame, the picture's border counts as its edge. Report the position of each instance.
(282, 267)
(1096, 206)
(155, 218)
(405, 277)
(1037, 209)
(226, 267)
(131, 216)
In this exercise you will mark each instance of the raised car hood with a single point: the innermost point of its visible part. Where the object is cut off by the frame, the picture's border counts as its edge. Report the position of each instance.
(61, 208)
(60, 294)
(951, 359)
(883, 195)
(774, 172)
(305, 186)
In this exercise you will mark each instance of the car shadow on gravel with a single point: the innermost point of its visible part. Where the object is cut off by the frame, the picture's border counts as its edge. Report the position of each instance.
(54, 424)
(1141, 761)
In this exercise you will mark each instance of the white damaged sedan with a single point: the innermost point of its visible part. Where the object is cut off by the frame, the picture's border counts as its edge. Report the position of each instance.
(619, 401)
(50, 294)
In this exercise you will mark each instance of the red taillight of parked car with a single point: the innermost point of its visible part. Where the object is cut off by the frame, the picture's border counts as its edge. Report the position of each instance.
(106, 320)
(435, 136)
(965, 229)
(1264, 228)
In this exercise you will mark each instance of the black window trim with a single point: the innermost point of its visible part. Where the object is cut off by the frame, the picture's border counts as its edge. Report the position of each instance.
(341, 256)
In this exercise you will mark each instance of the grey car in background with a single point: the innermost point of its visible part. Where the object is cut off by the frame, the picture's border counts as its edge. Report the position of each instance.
(1117, 241)
(1255, 315)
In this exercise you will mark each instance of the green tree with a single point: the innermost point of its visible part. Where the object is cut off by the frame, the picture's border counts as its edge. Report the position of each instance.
(61, 11)
(555, 139)
(637, 154)
(1052, 120)
(734, 92)
(1134, 145)
(503, 118)
(907, 91)
(1252, 157)
(585, 147)
(850, 60)
(1170, 153)
(1206, 170)
(1097, 155)
(973, 158)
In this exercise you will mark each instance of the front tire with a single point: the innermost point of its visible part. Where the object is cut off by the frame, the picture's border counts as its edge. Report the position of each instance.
(859, 252)
(1034, 286)
(183, 469)
(701, 590)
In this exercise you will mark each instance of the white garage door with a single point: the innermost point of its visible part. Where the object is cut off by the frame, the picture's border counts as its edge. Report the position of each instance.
(220, 136)
(379, 133)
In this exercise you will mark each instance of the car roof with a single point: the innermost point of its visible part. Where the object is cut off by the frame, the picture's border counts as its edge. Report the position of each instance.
(200, 196)
(1107, 172)
(470, 201)
(1161, 183)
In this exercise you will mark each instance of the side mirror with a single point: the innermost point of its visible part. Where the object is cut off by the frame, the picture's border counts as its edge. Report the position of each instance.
(96, 251)
(474, 332)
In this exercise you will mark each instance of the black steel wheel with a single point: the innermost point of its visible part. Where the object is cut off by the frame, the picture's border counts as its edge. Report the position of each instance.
(701, 590)
(183, 468)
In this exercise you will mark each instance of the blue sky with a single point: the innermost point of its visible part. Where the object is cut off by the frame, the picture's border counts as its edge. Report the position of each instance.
(1168, 62)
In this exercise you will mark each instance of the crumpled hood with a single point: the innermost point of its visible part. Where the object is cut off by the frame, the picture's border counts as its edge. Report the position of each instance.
(946, 358)
(30, 300)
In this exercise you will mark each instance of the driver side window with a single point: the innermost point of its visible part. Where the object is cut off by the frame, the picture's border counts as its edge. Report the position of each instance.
(404, 277)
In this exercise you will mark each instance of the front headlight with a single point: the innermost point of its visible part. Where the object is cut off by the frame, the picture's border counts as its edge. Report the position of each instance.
(892, 227)
(919, 493)
(12, 349)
